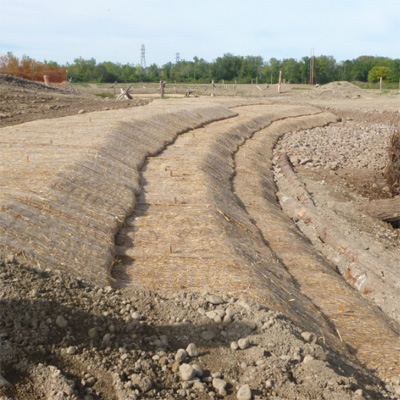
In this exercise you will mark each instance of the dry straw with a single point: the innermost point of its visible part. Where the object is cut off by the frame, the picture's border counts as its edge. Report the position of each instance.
(68, 185)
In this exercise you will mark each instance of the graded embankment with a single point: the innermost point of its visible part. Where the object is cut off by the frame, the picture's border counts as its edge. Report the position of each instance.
(70, 185)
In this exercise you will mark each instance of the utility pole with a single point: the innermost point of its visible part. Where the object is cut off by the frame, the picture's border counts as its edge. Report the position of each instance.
(312, 66)
(143, 57)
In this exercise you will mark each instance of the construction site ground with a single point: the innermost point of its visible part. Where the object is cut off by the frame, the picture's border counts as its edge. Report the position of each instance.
(197, 248)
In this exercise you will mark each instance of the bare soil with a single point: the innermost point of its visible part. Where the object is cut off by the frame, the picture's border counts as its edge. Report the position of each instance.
(23, 101)
(63, 337)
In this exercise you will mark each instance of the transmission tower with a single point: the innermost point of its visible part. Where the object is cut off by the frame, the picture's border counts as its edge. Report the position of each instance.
(177, 59)
(143, 58)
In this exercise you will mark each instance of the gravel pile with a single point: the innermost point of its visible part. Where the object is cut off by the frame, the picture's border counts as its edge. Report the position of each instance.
(338, 90)
(63, 338)
(345, 145)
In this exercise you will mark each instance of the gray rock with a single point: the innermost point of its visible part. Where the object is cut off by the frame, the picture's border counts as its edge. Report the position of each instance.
(187, 372)
(308, 359)
(211, 314)
(106, 338)
(244, 393)
(61, 322)
(234, 345)
(199, 386)
(71, 350)
(136, 315)
(217, 319)
(181, 355)
(307, 336)
(192, 350)
(220, 386)
(244, 343)
(208, 335)
(215, 300)
(230, 312)
(143, 382)
(93, 333)
(197, 370)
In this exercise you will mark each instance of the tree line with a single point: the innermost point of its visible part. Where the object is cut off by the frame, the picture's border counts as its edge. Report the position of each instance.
(231, 68)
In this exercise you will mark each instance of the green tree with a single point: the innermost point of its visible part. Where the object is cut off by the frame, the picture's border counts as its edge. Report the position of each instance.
(291, 70)
(271, 70)
(227, 67)
(325, 69)
(251, 68)
(377, 72)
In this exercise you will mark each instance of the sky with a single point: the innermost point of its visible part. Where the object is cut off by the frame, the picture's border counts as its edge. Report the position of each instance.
(115, 30)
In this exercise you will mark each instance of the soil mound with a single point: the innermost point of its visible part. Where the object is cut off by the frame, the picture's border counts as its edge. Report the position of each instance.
(26, 84)
(338, 90)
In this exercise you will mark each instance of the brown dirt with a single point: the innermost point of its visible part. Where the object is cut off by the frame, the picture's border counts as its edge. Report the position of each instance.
(42, 358)
(23, 101)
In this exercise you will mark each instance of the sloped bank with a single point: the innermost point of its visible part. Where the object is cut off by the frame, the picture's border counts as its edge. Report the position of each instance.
(67, 185)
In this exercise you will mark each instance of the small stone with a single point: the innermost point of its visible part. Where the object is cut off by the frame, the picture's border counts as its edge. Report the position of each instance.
(10, 259)
(197, 370)
(136, 316)
(211, 314)
(230, 312)
(181, 392)
(108, 289)
(308, 359)
(358, 392)
(199, 386)
(234, 345)
(181, 355)
(61, 322)
(244, 393)
(220, 386)
(187, 372)
(106, 338)
(307, 336)
(215, 300)
(71, 350)
(201, 310)
(244, 343)
(93, 333)
(143, 382)
(192, 350)
(208, 335)
(268, 384)
(175, 367)
(250, 324)
(90, 381)
(81, 112)
(217, 319)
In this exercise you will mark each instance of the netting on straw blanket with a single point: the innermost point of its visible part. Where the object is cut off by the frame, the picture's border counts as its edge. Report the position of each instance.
(68, 185)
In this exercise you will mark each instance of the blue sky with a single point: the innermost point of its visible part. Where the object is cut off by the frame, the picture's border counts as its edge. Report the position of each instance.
(115, 30)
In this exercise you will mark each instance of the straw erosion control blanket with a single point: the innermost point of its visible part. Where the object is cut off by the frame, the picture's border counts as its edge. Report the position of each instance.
(69, 188)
